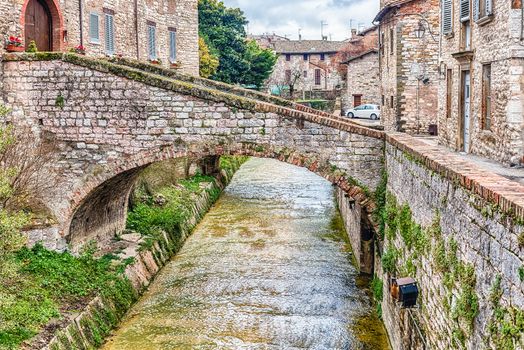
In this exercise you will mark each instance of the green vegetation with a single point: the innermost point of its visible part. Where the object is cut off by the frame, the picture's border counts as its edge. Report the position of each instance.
(506, 326)
(47, 282)
(390, 259)
(377, 288)
(208, 62)
(240, 61)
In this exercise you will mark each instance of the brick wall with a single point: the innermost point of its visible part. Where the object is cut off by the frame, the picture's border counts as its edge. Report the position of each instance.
(181, 15)
(496, 42)
(410, 105)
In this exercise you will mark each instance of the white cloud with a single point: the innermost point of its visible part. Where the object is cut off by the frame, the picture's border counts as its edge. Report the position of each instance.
(285, 17)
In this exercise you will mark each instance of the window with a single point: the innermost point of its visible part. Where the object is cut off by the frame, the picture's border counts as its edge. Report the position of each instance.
(486, 97)
(322, 57)
(288, 76)
(317, 77)
(464, 10)
(466, 36)
(288, 57)
(306, 57)
(482, 9)
(449, 91)
(305, 74)
(391, 41)
(151, 40)
(94, 28)
(383, 100)
(172, 45)
(382, 41)
(110, 33)
(391, 102)
(447, 16)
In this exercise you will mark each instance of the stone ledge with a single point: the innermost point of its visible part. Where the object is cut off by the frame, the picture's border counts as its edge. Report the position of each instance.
(198, 91)
(506, 194)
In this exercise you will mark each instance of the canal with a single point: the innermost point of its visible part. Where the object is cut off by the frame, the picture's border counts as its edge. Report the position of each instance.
(267, 268)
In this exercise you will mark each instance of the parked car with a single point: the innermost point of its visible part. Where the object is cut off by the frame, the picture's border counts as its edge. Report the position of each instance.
(368, 111)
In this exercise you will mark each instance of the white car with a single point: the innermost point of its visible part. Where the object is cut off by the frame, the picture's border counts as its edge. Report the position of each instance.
(368, 111)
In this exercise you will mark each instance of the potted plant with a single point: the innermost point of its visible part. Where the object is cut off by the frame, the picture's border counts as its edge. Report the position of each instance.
(14, 44)
(155, 61)
(80, 49)
(175, 64)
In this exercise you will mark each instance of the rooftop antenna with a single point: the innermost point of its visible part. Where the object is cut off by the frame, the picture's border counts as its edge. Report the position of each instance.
(351, 27)
(361, 26)
(322, 25)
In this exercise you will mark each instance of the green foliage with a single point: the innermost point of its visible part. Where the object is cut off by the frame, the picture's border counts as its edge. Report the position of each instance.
(390, 259)
(240, 61)
(521, 273)
(377, 287)
(49, 280)
(380, 197)
(32, 47)
(231, 163)
(208, 61)
(60, 101)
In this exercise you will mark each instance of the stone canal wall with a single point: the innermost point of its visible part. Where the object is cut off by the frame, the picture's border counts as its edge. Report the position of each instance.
(101, 315)
(459, 232)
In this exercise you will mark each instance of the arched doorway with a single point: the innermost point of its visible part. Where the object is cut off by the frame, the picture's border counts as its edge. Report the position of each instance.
(38, 25)
(42, 22)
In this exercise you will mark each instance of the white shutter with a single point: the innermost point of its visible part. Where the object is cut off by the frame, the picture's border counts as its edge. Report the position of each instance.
(489, 7)
(172, 46)
(94, 29)
(447, 16)
(110, 35)
(476, 9)
(464, 10)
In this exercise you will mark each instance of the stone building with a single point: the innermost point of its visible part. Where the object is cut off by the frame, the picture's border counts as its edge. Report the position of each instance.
(482, 78)
(154, 30)
(363, 79)
(306, 65)
(267, 40)
(408, 63)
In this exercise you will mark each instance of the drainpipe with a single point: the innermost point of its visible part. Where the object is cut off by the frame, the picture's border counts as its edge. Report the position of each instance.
(136, 31)
(81, 18)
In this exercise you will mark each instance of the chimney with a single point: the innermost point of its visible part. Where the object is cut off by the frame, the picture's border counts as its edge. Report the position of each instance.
(353, 32)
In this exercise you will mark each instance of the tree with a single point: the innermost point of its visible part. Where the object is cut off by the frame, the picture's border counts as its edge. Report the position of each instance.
(240, 62)
(208, 62)
(288, 82)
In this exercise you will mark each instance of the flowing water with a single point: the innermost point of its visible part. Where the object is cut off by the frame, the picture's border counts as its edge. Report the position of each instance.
(267, 268)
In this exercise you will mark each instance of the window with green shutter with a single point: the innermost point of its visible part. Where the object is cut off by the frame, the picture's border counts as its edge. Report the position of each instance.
(447, 17)
(94, 28)
(151, 39)
(172, 45)
(110, 34)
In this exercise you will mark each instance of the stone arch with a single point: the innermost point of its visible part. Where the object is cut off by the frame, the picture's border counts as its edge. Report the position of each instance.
(99, 208)
(57, 23)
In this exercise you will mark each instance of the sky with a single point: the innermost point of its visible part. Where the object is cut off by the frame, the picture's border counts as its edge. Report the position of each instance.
(285, 17)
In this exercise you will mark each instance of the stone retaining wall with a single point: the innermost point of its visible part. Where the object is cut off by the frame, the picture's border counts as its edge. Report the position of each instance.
(100, 316)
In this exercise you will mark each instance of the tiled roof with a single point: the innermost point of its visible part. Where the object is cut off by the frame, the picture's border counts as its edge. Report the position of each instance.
(361, 55)
(383, 11)
(308, 46)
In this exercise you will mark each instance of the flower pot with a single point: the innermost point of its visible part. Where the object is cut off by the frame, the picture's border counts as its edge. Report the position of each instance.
(14, 48)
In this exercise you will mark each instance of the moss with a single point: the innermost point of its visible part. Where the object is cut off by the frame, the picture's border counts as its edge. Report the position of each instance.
(390, 259)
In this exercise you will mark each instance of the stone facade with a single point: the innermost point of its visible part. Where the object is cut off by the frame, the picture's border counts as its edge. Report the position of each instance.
(408, 65)
(130, 21)
(363, 79)
(309, 64)
(467, 247)
(496, 43)
(129, 120)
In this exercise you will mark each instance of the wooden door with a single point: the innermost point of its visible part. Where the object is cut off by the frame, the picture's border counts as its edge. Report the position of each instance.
(357, 100)
(38, 25)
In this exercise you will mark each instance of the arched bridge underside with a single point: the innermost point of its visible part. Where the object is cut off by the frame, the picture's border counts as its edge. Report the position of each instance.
(112, 121)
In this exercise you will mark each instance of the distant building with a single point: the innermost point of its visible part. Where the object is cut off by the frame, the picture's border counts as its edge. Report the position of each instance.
(306, 65)
(164, 30)
(409, 76)
(481, 95)
(267, 41)
(363, 84)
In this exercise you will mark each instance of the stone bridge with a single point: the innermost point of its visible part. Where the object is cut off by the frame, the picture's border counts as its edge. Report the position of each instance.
(111, 120)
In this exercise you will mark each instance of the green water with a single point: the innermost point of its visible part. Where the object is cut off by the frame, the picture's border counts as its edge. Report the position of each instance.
(267, 268)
